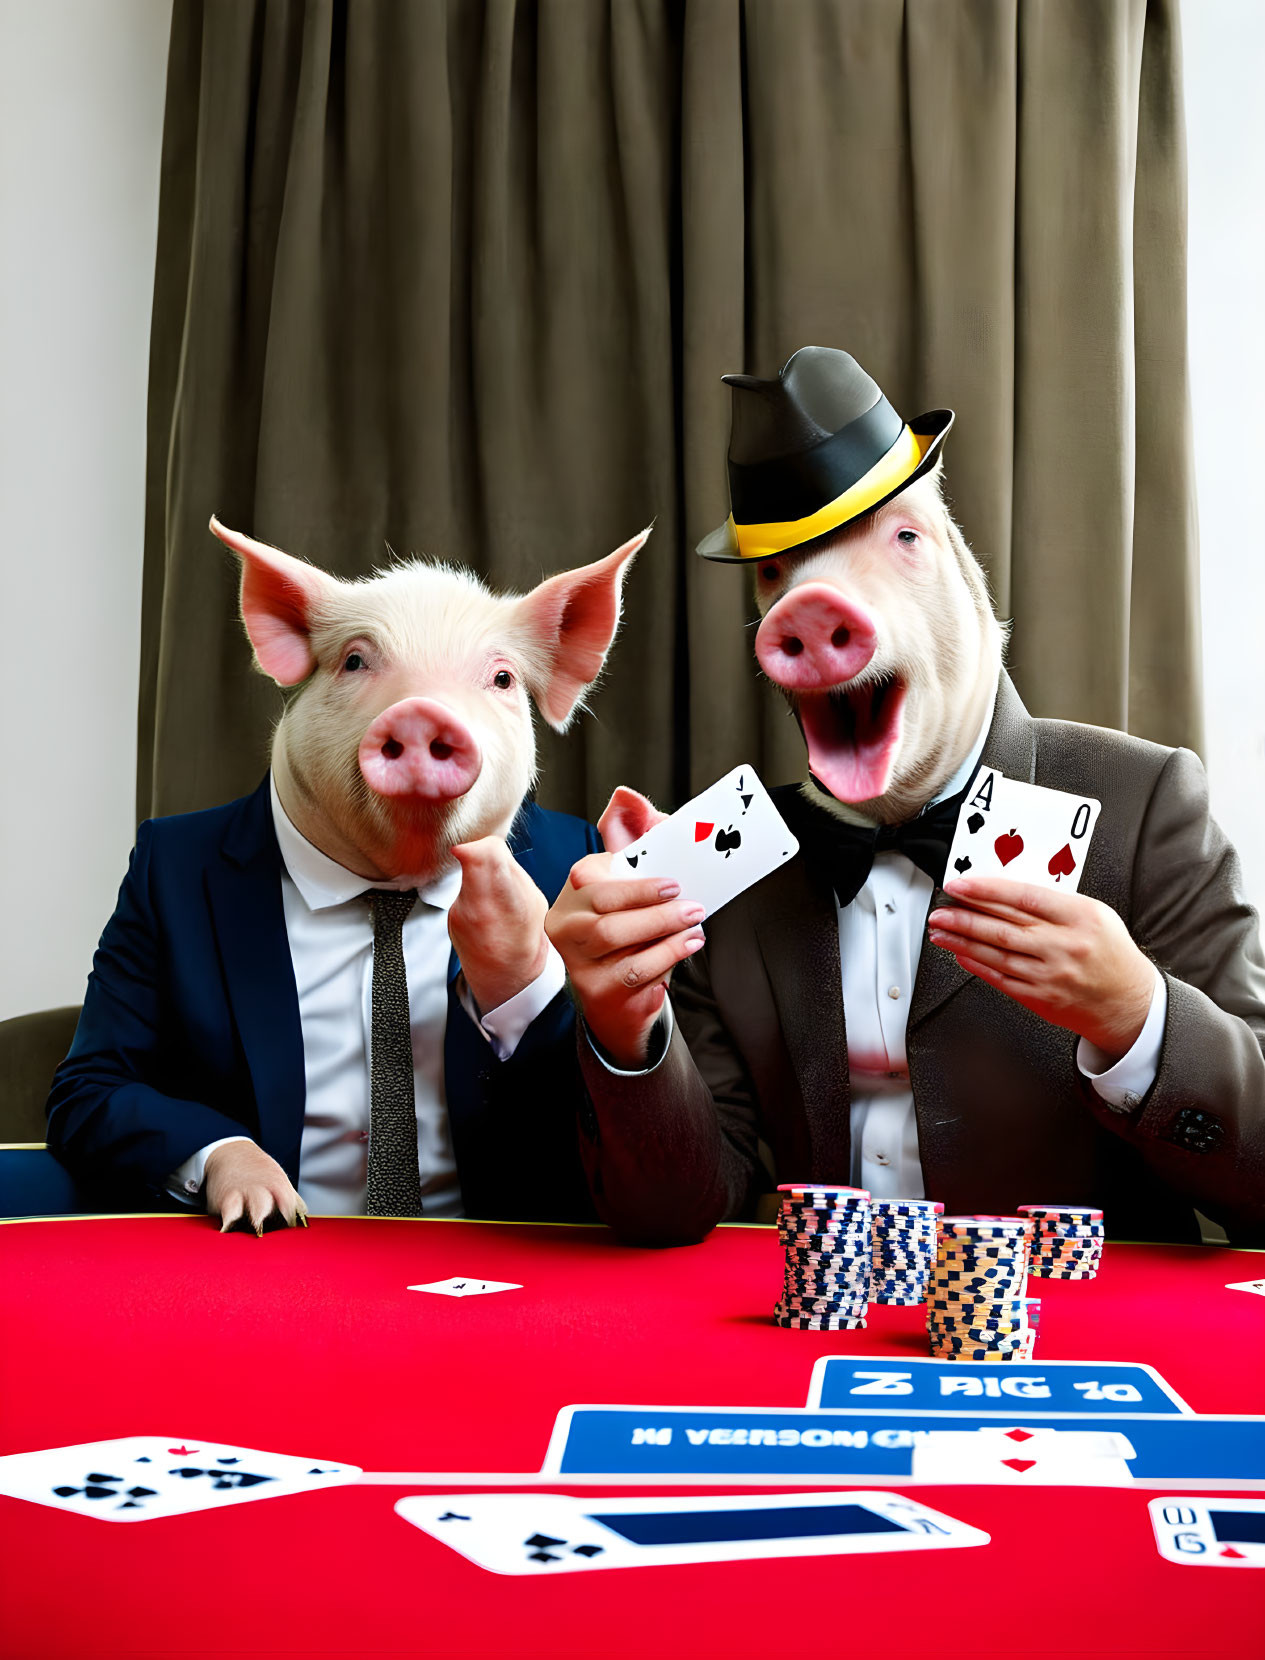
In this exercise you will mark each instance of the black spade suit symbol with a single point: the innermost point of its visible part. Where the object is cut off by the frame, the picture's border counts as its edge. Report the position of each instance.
(728, 840)
(962, 865)
(975, 822)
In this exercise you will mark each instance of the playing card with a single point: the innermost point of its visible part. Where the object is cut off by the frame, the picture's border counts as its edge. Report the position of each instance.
(551, 1533)
(465, 1287)
(1016, 1456)
(1023, 832)
(1210, 1533)
(140, 1478)
(717, 845)
(1255, 1286)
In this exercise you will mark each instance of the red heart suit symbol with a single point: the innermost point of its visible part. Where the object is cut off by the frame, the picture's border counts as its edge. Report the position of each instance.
(1008, 847)
(702, 831)
(1230, 1551)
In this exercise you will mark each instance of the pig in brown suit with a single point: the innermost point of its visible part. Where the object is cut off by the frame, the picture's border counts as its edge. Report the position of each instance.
(877, 627)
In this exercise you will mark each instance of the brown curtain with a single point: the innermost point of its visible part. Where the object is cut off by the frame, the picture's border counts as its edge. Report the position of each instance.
(460, 277)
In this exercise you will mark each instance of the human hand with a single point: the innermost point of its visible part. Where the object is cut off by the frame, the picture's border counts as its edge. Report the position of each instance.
(496, 923)
(620, 938)
(1065, 956)
(243, 1182)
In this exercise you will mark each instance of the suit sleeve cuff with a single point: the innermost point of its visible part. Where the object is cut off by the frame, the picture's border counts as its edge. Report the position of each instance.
(660, 1038)
(505, 1025)
(186, 1182)
(1123, 1085)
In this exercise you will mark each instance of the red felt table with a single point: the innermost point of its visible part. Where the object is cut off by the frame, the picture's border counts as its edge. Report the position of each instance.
(311, 1343)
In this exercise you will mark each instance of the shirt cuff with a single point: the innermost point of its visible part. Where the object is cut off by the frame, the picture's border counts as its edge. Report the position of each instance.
(504, 1026)
(185, 1183)
(660, 1039)
(1123, 1085)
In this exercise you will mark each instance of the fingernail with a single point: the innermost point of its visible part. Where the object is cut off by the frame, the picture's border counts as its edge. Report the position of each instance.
(669, 890)
(259, 1230)
(303, 1218)
(694, 945)
(694, 913)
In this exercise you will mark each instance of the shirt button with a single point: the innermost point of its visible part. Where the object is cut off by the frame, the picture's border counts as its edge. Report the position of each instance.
(1130, 1099)
(881, 1158)
(191, 1186)
(889, 906)
(893, 1074)
(893, 991)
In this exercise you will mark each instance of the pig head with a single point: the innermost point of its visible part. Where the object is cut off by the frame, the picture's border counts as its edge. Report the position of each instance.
(410, 730)
(884, 642)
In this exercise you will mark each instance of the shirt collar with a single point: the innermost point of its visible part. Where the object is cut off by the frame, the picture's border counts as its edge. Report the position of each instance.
(322, 883)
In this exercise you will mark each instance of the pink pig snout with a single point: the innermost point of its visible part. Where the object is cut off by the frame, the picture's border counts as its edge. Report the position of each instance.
(814, 638)
(419, 748)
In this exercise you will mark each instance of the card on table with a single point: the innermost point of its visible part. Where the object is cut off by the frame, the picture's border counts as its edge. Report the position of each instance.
(1210, 1533)
(465, 1286)
(140, 1478)
(716, 846)
(858, 1382)
(1023, 832)
(1025, 1457)
(553, 1533)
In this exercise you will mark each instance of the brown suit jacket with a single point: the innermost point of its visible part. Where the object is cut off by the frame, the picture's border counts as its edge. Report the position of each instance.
(755, 1080)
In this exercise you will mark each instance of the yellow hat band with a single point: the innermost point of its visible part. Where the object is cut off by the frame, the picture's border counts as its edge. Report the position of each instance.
(766, 541)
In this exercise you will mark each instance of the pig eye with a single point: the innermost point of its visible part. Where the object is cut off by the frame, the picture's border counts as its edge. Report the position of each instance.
(769, 572)
(354, 661)
(908, 537)
(503, 680)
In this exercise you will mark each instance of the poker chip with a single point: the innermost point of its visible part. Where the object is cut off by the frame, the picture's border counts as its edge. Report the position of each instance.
(976, 1303)
(1067, 1241)
(791, 1320)
(825, 1234)
(904, 1248)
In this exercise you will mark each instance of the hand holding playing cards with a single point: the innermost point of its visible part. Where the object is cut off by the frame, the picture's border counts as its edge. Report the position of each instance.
(1065, 956)
(621, 936)
(243, 1182)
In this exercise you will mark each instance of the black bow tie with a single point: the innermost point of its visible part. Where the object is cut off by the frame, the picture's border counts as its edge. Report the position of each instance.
(847, 851)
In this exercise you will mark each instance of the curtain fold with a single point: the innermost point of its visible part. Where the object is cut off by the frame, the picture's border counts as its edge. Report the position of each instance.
(460, 277)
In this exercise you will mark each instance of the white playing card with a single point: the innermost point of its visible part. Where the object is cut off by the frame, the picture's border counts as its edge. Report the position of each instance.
(1210, 1533)
(717, 845)
(1015, 1456)
(1256, 1286)
(548, 1534)
(1024, 832)
(465, 1287)
(140, 1478)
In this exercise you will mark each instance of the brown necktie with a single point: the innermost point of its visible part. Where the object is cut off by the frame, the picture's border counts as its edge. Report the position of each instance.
(394, 1185)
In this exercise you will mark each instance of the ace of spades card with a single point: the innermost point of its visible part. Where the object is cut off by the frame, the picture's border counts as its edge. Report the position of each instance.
(1024, 832)
(140, 1478)
(717, 845)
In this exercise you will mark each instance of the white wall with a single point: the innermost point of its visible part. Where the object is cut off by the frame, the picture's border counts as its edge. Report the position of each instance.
(1225, 121)
(81, 96)
(81, 103)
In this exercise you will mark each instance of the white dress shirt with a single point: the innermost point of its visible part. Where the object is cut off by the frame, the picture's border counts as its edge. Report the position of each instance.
(881, 935)
(330, 932)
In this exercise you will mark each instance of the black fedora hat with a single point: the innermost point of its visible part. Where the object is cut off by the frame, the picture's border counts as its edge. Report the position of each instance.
(813, 450)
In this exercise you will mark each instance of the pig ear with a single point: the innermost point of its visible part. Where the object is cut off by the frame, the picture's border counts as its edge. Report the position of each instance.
(278, 596)
(571, 619)
(626, 819)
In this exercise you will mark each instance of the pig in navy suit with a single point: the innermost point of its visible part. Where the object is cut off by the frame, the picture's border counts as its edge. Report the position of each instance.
(190, 1030)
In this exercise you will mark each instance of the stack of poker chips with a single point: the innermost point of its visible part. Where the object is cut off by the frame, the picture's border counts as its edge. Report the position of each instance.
(826, 1234)
(1066, 1241)
(977, 1307)
(904, 1249)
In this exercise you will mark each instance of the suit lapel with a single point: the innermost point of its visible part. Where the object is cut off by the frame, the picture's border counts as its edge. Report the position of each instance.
(796, 925)
(1010, 747)
(244, 891)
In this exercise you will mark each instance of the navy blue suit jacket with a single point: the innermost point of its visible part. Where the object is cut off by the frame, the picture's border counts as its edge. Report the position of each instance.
(190, 1029)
